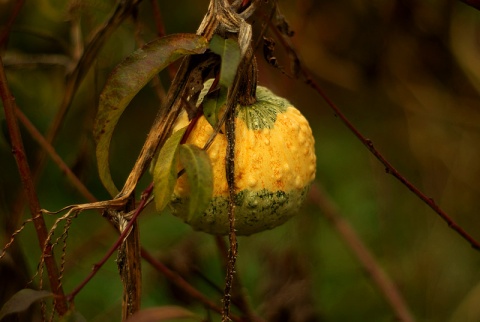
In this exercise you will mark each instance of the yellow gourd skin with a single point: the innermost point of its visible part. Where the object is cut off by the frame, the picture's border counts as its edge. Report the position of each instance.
(275, 164)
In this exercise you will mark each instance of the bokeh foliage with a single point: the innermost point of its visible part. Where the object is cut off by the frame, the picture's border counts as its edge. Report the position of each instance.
(405, 72)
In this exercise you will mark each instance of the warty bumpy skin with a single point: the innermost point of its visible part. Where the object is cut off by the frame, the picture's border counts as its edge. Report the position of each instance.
(275, 164)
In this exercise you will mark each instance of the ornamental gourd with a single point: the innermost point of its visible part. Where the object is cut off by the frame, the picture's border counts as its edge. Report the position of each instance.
(275, 164)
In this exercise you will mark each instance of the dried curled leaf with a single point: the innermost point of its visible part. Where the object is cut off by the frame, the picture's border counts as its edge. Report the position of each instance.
(126, 80)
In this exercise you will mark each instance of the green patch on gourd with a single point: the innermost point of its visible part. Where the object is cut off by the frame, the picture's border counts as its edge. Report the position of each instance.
(255, 211)
(263, 114)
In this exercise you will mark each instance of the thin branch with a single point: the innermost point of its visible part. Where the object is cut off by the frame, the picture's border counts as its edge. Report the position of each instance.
(18, 60)
(46, 146)
(389, 168)
(75, 32)
(184, 285)
(71, 176)
(74, 80)
(87, 194)
(8, 26)
(29, 189)
(70, 297)
(160, 27)
(120, 13)
(157, 17)
(361, 252)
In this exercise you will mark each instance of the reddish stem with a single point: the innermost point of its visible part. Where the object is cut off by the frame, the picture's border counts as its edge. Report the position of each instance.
(158, 18)
(8, 26)
(29, 190)
(389, 168)
(366, 259)
(160, 26)
(123, 235)
(46, 146)
(244, 5)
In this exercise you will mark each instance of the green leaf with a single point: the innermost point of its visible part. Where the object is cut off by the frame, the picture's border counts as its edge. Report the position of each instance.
(213, 103)
(165, 171)
(229, 51)
(21, 301)
(200, 177)
(126, 80)
(163, 313)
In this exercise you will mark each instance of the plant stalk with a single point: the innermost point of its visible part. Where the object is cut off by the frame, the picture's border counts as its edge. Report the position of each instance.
(29, 188)
(129, 266)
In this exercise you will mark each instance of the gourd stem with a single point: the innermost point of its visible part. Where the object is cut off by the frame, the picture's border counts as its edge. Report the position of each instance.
(247, 93)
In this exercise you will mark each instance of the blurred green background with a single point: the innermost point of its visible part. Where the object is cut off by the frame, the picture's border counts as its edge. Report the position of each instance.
(406, 73)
